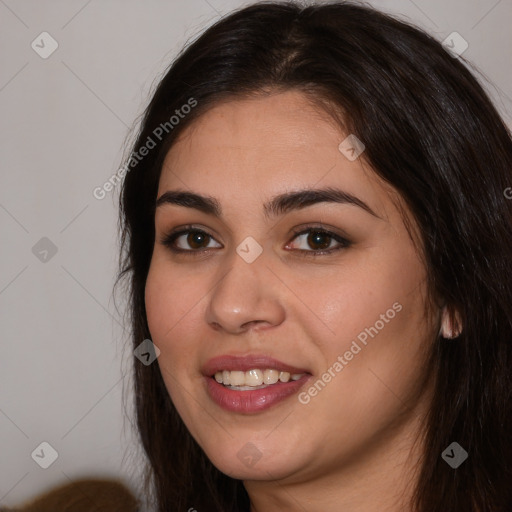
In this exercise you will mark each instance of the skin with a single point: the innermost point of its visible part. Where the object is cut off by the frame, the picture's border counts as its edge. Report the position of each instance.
(352, 446)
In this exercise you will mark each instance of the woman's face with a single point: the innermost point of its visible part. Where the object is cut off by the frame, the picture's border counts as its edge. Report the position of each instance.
(255, 296)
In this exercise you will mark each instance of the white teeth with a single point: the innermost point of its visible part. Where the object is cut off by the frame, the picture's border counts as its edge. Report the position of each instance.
(270, 376)
(236, 378)
(254, 379)
(284, 376)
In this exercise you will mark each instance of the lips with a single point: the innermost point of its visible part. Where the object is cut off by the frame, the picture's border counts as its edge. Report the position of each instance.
(250, 401)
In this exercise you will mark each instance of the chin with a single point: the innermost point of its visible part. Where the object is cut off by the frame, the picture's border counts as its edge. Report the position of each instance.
(251, 462)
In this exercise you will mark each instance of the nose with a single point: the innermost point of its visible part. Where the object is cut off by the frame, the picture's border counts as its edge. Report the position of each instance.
(246, 297)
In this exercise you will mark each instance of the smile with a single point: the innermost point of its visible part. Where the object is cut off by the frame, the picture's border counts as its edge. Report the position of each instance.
(249, 384)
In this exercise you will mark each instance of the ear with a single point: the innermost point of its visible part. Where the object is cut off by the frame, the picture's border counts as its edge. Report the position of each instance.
(451, 323)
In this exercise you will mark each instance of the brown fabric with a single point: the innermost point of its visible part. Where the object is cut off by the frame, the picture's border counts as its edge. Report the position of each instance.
(83, 496)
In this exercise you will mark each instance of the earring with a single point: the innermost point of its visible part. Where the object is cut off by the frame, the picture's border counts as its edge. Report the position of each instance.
(448, 332)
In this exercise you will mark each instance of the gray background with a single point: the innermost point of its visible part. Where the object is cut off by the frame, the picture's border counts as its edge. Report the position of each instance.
(65, 363)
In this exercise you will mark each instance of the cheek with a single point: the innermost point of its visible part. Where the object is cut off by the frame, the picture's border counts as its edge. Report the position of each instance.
(170, 294)
(158, 301)
(384, 348)
(377, 324)
(381, 372)
(365, 297)
(170, 300)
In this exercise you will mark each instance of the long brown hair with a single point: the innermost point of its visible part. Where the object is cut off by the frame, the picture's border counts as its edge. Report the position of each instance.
(433, 134)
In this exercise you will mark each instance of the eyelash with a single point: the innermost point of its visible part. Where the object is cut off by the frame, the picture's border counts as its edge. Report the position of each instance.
(169, 240)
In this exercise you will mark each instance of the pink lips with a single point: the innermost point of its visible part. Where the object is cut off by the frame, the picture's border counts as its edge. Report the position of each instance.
(247, 402)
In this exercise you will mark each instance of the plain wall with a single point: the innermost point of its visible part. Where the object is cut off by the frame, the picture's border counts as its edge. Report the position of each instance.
(65, 359)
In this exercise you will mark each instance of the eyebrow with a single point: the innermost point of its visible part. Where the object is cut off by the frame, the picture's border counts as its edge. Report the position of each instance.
(279, 205)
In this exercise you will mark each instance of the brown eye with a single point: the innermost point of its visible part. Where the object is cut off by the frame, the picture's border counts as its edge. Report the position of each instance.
(196, 239)
(319, 240)
(188, 240)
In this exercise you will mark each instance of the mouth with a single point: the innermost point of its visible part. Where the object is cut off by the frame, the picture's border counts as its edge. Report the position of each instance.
(251, 384)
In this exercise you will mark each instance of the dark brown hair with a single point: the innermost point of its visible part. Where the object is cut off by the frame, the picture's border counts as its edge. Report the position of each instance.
(433, 134)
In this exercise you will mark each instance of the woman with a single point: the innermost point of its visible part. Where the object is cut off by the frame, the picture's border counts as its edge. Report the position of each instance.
(319, 246)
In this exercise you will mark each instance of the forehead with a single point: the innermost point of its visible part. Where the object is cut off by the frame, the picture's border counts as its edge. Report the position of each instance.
(252, 149)
(262, 129)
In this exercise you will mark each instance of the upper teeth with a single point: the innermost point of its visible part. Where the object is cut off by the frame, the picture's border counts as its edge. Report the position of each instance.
(254, 377)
